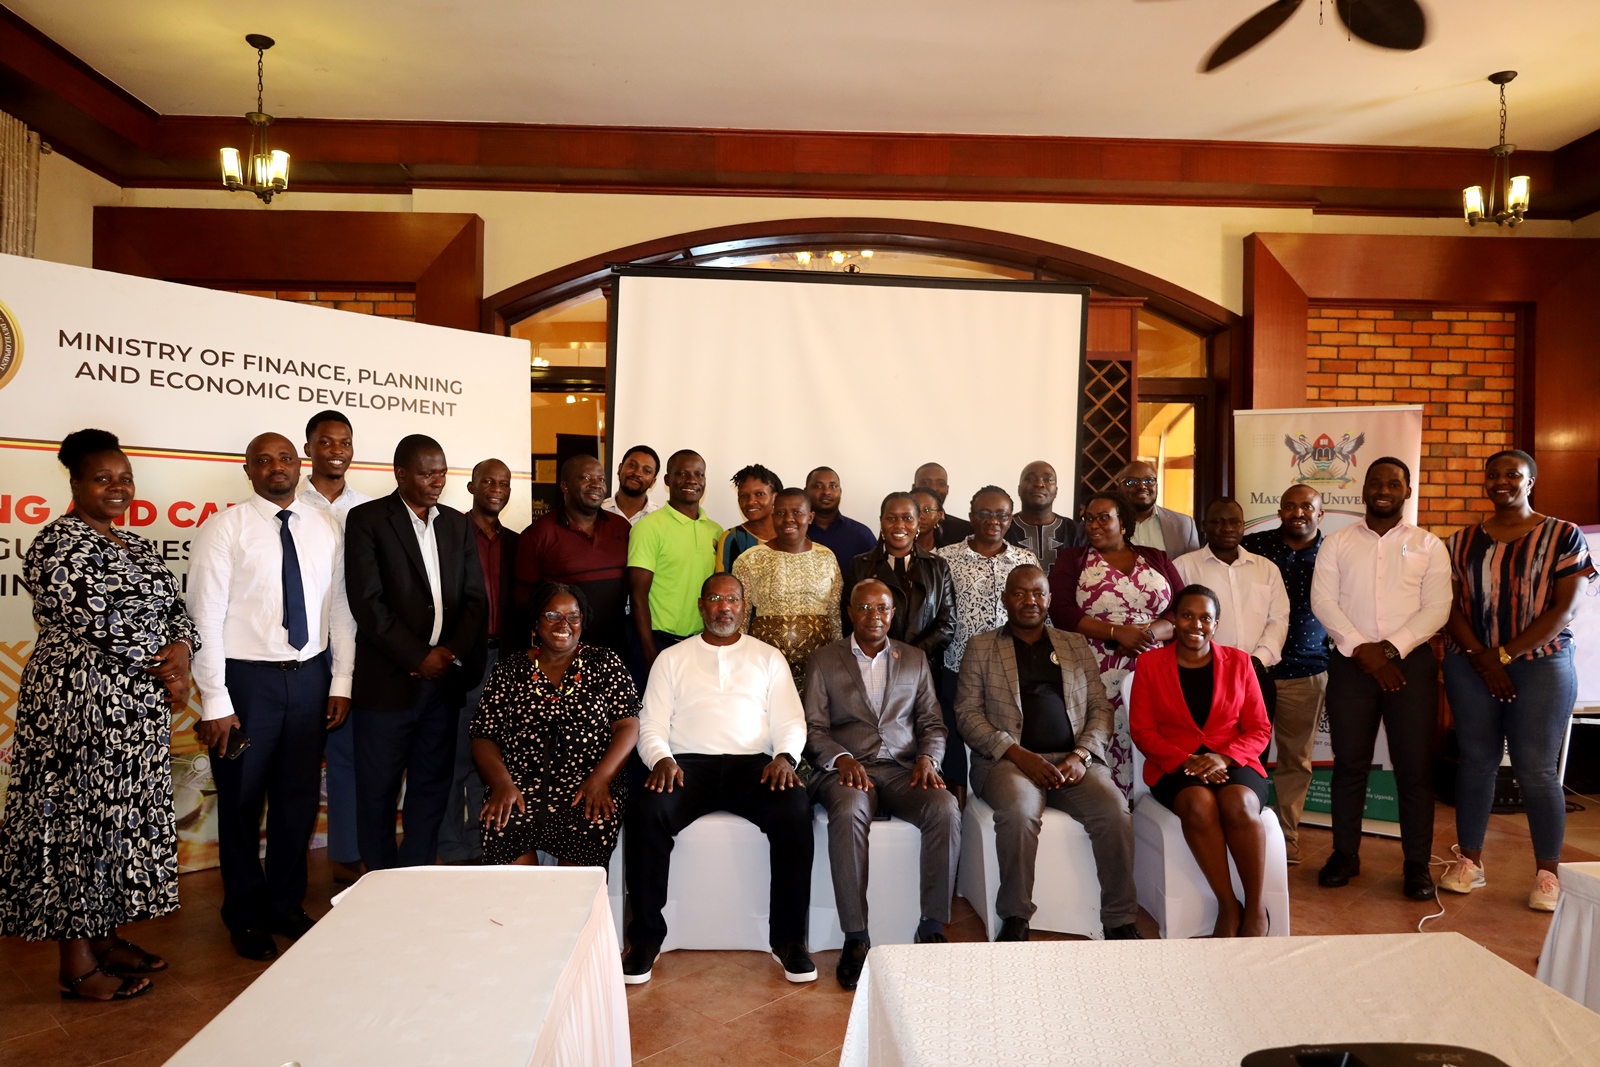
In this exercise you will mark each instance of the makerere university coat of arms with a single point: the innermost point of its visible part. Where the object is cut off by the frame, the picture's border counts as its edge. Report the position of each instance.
(1324, 460)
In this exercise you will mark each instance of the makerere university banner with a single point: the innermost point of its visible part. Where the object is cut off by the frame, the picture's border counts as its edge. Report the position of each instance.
(1328, 449)
(185, 377)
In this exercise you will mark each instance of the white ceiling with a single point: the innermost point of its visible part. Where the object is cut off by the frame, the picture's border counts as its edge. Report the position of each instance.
(1085, 68)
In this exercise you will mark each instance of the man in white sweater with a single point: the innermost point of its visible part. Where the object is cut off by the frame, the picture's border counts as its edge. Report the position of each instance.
(721, 729)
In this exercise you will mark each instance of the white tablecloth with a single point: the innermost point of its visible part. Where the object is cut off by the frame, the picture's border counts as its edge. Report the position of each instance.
(1570, 962)
(1202, 1003)
(488, 966)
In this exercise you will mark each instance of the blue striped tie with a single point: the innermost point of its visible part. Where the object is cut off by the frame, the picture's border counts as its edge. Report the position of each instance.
(294, 593)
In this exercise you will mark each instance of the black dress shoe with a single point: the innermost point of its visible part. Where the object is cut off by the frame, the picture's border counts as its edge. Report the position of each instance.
(294, 927)
(1418, 882)
(1340, 868)
(851, 959)
(1125, 932)
(935, 938)
(253, 944)
(796, 962)
(638, 962)
(1013, 930)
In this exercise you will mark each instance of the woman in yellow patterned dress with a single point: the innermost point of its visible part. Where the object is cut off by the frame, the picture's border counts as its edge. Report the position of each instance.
(792, 586)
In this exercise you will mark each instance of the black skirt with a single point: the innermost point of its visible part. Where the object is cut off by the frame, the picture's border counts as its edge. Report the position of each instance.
(1166, 790)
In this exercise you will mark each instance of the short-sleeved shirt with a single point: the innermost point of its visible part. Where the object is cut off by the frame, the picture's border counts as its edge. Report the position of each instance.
(1305, 649)
(551, 550)
(681, 553)
(1505, 586)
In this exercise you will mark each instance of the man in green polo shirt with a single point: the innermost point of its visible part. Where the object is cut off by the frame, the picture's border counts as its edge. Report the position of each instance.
(671, 552)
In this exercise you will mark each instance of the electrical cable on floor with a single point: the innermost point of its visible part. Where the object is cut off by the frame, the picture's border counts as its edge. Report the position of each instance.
(1584, 796)
(1436, 899)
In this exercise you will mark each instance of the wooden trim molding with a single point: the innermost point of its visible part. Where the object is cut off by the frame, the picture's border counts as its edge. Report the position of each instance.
(441, 255)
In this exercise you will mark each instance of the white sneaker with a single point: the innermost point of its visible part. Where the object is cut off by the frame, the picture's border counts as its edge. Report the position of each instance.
(1546, 892)
(1462, 876)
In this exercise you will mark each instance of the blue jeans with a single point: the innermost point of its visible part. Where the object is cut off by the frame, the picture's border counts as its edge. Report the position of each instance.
(1531, 726)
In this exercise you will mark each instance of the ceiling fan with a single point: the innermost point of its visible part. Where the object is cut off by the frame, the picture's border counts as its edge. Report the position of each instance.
(1398, 24)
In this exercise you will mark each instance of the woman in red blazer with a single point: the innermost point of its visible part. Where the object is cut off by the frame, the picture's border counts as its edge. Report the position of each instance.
(1196, 714)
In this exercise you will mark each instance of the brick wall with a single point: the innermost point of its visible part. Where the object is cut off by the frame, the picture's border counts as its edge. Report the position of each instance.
(1458, 363)
(392, 305)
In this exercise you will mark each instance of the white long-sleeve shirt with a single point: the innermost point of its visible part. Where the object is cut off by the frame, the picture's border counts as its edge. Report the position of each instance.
(1253, 613)
(720, 700)
(236, 595)
(1393, 588)
(338, 507)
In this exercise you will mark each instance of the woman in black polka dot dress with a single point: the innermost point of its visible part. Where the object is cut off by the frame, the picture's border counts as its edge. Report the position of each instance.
(553, 730)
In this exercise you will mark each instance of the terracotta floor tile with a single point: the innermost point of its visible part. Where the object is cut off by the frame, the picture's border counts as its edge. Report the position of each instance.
(657, 1022)
(804, 1024)
(725, 1047)
(728, 991)
(827, 1059)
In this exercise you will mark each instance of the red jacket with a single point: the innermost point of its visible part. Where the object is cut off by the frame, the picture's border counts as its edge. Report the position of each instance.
(1164, 730)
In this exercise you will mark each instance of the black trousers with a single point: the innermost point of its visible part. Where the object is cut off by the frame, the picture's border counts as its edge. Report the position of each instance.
(1356, 706)
(954, 765)
(284, 713)
(416, 744)
(719, 783)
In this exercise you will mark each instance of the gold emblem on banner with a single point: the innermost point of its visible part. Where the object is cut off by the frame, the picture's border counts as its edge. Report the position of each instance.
(10, 345)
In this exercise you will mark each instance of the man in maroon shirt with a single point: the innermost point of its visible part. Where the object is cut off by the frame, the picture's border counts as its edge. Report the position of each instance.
(459, 838)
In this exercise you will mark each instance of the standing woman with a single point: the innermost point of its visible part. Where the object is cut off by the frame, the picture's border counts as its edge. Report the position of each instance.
(758, 491)
(1119, 596)
(792, 585)
(1508, 670)
(553, 730)
(90, 840)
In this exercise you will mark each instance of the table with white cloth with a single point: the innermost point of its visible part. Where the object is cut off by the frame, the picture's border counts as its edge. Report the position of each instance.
(489, 966)
(1570, 961)
(1202, 1003)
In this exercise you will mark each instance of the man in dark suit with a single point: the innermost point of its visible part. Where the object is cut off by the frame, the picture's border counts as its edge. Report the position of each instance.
(416, 590)
(876, 733)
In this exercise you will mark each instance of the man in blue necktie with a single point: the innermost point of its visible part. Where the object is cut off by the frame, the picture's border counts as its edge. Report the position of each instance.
(266, 584)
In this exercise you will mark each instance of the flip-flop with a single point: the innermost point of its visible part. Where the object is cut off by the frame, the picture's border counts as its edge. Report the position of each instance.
(149, 962)
(125, 991)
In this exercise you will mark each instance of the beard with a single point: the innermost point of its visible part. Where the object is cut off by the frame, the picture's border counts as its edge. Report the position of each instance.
(723, 627)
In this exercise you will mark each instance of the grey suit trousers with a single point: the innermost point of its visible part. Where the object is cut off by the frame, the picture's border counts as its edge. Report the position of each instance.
(1096, 802)
(850, 814)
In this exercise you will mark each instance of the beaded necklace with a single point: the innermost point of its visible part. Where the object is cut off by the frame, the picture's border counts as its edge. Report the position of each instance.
(551, 691)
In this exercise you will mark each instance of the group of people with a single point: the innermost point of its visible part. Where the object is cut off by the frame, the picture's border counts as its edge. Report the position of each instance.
(798, 658)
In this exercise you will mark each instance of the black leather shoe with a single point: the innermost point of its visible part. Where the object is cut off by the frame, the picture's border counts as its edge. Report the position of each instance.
(294, 927)
(1013, 930)
(637, 963)
(936, 938)
(1419, 883)
(253, 944)
(851, 959)
(1125, 932)
(796, 962)
(1340, 868)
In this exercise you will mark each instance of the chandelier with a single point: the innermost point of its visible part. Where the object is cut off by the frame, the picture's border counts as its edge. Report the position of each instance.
(842, 261)
(268, 170)
(1506, 201)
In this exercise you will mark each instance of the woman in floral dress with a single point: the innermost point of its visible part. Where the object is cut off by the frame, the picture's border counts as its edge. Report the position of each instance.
(1119, 596)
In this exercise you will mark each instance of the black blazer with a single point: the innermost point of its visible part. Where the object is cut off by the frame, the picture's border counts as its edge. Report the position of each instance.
(924, 607)
(393, 607)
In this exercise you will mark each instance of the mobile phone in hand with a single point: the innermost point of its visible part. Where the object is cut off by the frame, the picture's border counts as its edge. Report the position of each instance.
(237, 743)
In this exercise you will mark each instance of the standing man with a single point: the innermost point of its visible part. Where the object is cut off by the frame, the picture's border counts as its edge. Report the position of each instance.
(1037, 527)
(330, 448)
(266, 590)
(459, 837)
(843, 536)
(951, 530)
(1300, 678)
(1155, 527)
(1252, 603)
(1031, 705)
(636, 476)
(416, 590)
(1382, 589)
(671, 552)
(875, 734)
(581, 544)
(721, 730)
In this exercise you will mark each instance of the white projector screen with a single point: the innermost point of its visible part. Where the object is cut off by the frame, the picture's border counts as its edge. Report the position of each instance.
(870, 375)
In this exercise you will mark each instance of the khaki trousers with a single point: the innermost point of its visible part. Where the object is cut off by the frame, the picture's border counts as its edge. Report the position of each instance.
(1300, 703)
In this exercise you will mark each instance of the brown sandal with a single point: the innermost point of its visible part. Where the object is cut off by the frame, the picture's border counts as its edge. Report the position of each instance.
(149, 962)
(125, 991)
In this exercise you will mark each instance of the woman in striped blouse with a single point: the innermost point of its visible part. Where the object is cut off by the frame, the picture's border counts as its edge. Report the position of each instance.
(1509, 672)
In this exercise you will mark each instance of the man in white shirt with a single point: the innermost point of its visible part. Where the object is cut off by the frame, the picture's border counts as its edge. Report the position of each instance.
(330, 447)
(1382, 589)
(636, 476)
(1252, 602)
(266, 591)
(722, 729)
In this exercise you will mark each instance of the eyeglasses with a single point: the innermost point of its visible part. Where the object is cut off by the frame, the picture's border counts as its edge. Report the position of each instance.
(718, 598)
(1134, 483)
(991, 516)
(873, 609)
(1103, 519)
(573, 618)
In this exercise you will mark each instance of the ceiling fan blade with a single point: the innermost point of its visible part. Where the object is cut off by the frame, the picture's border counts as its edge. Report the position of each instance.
(1398, 24)
(1249, 33)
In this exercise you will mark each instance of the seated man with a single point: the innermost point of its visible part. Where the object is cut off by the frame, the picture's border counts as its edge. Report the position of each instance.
(721, 730)
(875, 734)
(1031, 706)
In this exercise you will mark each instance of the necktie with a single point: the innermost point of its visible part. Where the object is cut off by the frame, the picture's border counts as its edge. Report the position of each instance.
(294, 593)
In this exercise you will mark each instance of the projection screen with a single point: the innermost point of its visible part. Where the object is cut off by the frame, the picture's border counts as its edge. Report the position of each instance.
(869, 375)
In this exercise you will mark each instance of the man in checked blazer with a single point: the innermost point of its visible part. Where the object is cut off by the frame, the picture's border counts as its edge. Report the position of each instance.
(875, 733)
(416, 591)
(1031, 707)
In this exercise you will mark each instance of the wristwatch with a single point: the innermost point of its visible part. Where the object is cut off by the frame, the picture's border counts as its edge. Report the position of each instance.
(1085, 755)
(1389, 650)
(1505, 657)
(785, 755)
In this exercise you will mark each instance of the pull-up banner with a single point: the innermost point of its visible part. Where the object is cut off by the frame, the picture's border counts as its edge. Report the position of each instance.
(186, 377)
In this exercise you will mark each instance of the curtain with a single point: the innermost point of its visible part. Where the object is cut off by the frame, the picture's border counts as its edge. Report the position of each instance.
(19, 186)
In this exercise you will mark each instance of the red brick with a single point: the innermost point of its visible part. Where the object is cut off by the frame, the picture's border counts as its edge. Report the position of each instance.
(1483, 396)
(1499, 411)
(1320, 352)
(1486, 316)
(1446, 396)
(1466, 382)
(1311, 392)
(335, 296)
(1394, 327)
(394, 307)
(1459, 328)
(1322, 324)
(1494, 425)
(1402, 381)
(1464, 409)
(1443, 367)
(1375, 394)
(1505, 385)
(1376, 340)
(1411, 367)
(1338, 338)
(1354, 352)
(1444, 423)
(1432, 437)
(1483, 342)
(1322, 379)
(1449, 316)
(1339, 366)
(1464, 437)
(1430, 327)
(1411, 340)
(1503, 329)
(295, 294)
(1375, 366)
(1338, 393)
(1452, 477)
(319, 303)
(1429, 381)
(375, 297)
(1375, 313)
(1355, 381)
(1430, 489)
(1313, 338)
(1464, 463)
(359, 306)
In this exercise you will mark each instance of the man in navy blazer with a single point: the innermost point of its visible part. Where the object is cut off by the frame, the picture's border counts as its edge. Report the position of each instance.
(415, 588)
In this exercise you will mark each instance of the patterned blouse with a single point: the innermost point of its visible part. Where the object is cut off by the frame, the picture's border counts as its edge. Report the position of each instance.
(979, 581)
(1504, 587)
(793, 598)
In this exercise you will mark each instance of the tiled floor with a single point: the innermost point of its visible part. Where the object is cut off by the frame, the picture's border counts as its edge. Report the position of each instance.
(710, 1008)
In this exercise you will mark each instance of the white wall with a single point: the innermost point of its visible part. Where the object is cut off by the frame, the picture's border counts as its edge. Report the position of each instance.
(68, 195)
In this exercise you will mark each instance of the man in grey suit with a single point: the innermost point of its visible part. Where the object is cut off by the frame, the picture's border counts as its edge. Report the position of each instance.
(875, 730)
(1031, 707)
(1171, 531)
